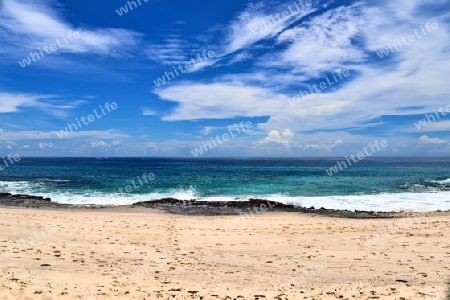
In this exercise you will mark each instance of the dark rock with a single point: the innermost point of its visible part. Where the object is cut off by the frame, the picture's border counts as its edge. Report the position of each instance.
(248, 208)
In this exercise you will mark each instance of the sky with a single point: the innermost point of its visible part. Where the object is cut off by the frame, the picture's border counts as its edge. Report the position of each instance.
(231, 78)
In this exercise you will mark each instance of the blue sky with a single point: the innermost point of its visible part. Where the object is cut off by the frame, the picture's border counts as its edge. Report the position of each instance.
(248, 72)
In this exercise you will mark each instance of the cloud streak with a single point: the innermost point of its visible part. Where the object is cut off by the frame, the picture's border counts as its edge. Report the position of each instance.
(27, 26)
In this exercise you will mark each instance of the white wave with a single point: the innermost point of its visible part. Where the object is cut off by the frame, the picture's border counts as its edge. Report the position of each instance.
(446, 181)
(430, 201)
(18, 187)
(381, 202)
(182, 194)
(53, 180)
(95, 198)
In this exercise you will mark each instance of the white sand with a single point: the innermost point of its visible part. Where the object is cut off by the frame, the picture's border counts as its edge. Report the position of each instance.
(147, 254)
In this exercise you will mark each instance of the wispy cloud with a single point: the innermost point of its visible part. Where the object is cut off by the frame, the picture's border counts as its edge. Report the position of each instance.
(324, 43)
(149, 112)
(15, 102)
(26, 26)
(12, 102)
(52, 135)
(175, 51)
(172, 51)
(244, 30)
(207, 130)
(346, 36)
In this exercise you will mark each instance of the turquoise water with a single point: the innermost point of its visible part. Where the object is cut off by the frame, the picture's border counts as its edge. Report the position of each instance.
(381, 184)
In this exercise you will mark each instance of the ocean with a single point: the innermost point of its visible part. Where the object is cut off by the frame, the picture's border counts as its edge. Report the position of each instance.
(379, 184)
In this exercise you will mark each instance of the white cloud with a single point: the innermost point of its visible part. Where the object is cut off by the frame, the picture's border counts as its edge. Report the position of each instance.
(430, 127)
(207, 130)
(240, 57)
(219, 101)
(27, 25)
(173, 51)
(246, 29)
(12, 102)
(57, 110)
(50, 135)
(45, 145)
(242, 32)
(99, 144)
(424, 139)
(287, 133)
(274, 136)
(148, 112)
(321, 44)
(342, 38)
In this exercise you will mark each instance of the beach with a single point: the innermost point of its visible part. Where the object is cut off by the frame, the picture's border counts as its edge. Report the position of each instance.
(145, 253)
(225, 150)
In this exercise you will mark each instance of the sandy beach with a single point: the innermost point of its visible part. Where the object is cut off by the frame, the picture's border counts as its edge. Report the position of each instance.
(143, 253)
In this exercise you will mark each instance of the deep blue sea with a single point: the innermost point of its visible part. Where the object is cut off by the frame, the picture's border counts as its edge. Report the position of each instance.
(382, 184)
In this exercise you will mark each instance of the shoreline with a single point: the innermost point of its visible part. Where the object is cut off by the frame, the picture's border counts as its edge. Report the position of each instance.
(244, 209)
